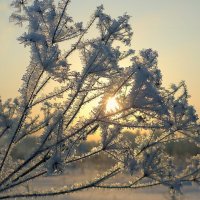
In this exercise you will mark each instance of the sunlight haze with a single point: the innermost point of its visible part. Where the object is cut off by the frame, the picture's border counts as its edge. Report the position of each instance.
(171, 27)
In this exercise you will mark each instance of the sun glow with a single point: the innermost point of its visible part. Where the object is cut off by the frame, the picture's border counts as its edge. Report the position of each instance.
(112, 105)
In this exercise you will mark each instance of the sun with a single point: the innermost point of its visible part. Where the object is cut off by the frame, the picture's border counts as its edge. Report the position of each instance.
(112, 105)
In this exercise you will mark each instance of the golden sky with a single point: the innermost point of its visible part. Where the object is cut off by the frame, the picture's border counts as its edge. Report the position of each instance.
(171, 27)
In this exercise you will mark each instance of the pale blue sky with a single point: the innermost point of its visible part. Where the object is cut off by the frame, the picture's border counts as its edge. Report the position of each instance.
(171, 27)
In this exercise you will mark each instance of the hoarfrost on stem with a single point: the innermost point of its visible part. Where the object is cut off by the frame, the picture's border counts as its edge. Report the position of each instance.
(76, 107)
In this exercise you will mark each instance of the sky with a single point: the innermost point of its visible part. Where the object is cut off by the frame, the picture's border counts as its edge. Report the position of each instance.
(170, 27)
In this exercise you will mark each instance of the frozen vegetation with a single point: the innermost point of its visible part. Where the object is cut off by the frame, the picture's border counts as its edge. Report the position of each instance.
(60, 106)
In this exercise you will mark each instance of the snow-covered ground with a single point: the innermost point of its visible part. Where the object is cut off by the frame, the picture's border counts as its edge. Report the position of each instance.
(154, 193)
